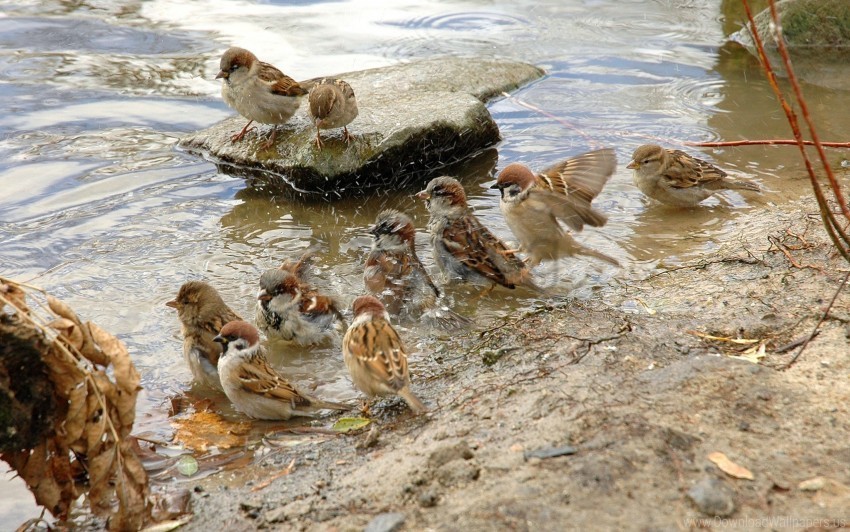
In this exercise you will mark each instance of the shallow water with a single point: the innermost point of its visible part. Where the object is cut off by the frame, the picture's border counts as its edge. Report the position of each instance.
(99, 208)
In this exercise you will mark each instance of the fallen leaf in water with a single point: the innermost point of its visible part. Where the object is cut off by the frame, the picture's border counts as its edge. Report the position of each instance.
(729, 467)
(202, 430)
(348, 424)
(187, 465)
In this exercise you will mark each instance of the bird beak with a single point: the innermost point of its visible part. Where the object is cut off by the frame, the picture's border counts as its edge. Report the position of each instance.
(496, 186)
(634, 165)
(262, 295)
(423, 195)
(222, 74)
(221, 340)
(172, 304)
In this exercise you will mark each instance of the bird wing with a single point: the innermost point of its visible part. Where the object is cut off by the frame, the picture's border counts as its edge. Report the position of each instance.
(476, 247)
(581, 177)
(386, 270)
(279, 83)
(260, 378)
(686, 171)
(574, 211)
(298, 268)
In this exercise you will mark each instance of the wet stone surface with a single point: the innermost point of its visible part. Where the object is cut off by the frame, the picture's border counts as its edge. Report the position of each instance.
(415, 119)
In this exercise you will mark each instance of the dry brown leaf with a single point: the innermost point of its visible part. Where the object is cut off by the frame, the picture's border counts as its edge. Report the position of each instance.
(61, 309)
(729, 467)
(95, 428)
(14, 295)
(75, 421)
(741, 341)
(68, 331)
(95, 416)
(127, 378)
(100, 472)
(64, 371)
(132, 487)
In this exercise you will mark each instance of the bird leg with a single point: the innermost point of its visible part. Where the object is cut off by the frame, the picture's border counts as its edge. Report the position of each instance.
(364, 407)
(319, 143)
(238, 136)
(269, 143)
(346, 136)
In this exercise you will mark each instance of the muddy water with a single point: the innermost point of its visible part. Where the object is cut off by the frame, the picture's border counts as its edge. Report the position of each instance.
(98, 207)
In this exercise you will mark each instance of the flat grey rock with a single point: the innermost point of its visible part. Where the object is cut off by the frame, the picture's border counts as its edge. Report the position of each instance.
(415, 119)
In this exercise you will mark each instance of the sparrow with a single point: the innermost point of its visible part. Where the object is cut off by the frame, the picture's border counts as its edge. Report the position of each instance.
(258, 91)
(332, 105)
(254, 387)
(676, 178)
(202, 314)
(292, 311)
(395, 275)
(534, 204)
(465, 250)
(375, 355)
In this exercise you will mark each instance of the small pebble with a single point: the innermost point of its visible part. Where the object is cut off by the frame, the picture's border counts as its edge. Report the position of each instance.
(389, 522)
(712, 497)
(427, 499)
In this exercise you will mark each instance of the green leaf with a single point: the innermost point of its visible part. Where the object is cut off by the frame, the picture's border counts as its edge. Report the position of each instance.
(187, 465)
(347, 424)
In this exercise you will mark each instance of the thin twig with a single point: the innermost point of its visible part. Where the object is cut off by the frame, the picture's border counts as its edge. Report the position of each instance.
(796, 343)
(765, 142)
(820, 321)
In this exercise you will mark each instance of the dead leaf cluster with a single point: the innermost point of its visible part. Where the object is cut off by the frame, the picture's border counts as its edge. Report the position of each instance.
(95, 386)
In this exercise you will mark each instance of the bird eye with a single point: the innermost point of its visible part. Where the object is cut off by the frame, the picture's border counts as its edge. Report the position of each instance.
(234, 67)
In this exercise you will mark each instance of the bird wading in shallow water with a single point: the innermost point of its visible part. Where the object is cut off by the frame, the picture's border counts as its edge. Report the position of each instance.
(254, 387)
(290, 310)
(202, 313)
(676, 178)
(535, 205)
(465, 250)
(395, 275)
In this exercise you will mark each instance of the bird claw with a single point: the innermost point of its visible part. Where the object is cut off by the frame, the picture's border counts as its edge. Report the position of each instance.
(241, 134)
(364, 408)
(319, 143)
(347, 136)
(269, 143)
